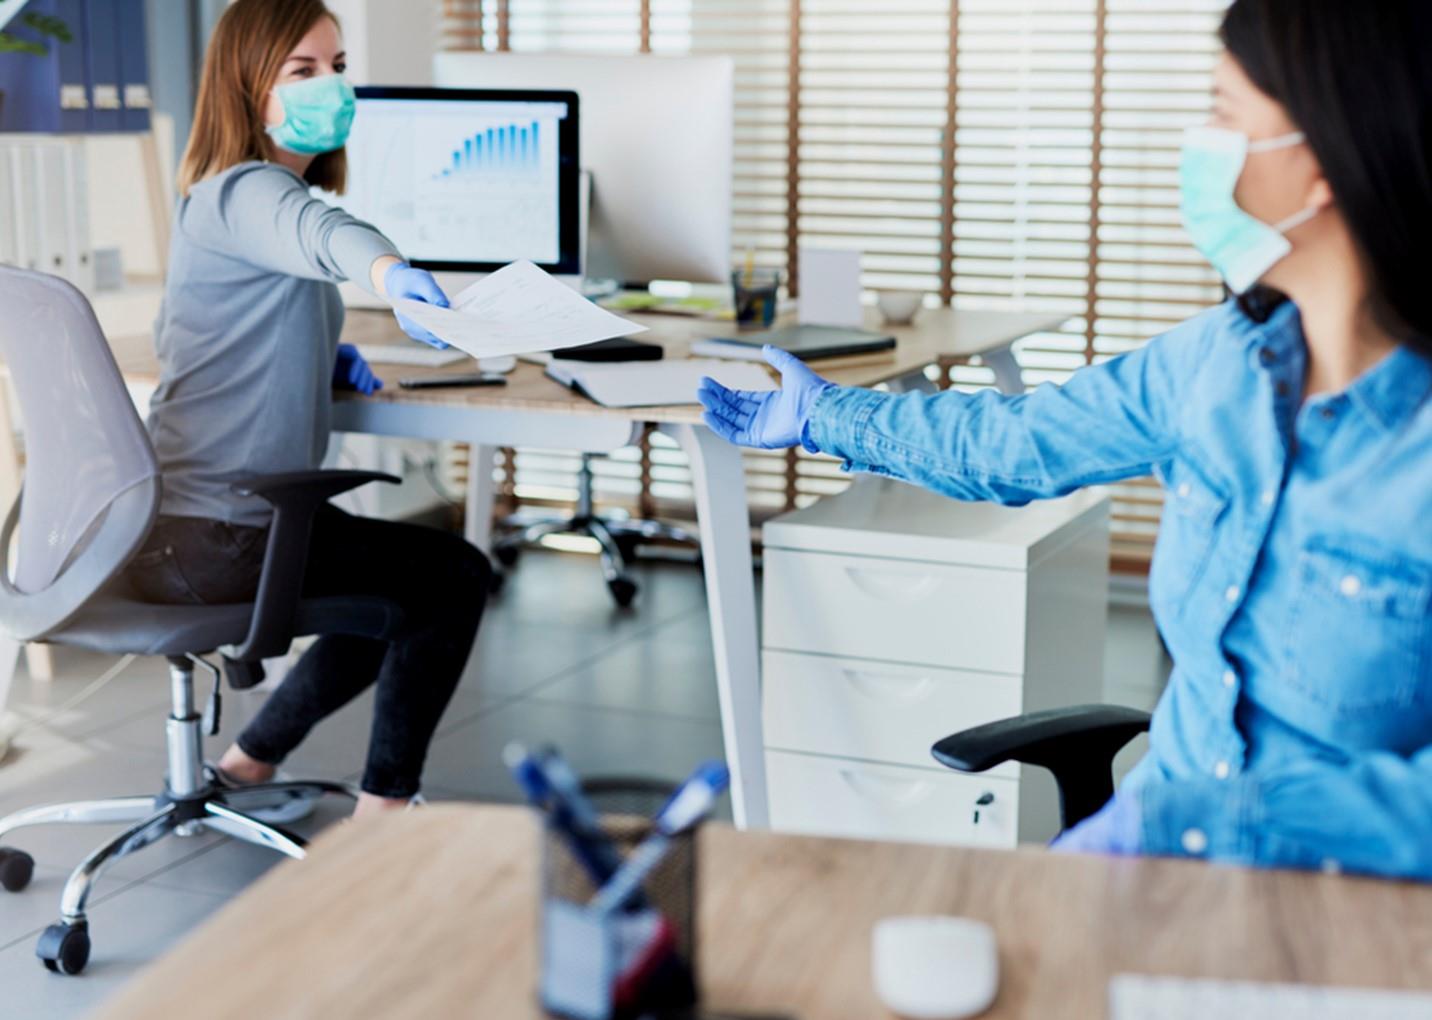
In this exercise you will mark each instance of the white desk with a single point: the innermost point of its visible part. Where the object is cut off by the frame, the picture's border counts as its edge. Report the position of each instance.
(534, 411)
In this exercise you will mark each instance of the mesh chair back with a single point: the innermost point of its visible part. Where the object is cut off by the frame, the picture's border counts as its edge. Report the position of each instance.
(91, 486)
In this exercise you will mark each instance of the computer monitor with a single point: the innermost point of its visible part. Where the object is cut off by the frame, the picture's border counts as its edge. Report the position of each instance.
(657, 140)
(468, 180)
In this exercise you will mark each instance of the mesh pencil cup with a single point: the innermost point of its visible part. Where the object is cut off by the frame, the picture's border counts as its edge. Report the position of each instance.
(627, 962)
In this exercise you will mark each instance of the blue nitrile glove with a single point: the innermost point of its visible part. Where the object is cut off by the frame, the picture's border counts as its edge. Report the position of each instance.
(403, 281)
(351, 372)
(765, 421)
(1117, 828)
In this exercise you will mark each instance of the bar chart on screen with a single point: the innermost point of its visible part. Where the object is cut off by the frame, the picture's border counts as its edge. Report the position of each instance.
(506, 149)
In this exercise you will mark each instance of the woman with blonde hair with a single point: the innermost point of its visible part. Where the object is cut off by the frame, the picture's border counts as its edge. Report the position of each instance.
(248, 346)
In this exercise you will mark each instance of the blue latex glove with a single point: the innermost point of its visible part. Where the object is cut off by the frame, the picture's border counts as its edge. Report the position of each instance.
(765, 421)
(1117, 828)
(403, 281)
(351, 372)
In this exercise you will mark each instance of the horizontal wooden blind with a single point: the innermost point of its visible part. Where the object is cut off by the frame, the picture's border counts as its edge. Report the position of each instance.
(993, 153)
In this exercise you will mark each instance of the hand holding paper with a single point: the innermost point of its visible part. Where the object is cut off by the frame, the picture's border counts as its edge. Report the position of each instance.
(517, 310)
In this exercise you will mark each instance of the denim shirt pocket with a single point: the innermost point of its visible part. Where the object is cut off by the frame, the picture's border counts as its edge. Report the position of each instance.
(1193, 506)
(1359, 637)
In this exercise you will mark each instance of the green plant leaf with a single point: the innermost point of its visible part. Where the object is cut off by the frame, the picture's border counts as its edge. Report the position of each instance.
(14, 44)
(49, 25)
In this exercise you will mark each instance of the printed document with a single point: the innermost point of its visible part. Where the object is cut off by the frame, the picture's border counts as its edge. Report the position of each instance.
(518, 310)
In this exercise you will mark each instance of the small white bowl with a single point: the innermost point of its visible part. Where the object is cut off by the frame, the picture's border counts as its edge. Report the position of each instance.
(898, 307)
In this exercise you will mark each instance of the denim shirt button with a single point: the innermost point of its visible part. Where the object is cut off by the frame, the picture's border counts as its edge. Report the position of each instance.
(1269, 497)
(1267, 357)
(1222, 770)
(1195, 841)
(1350, 586)
(1230, 679)
(1185, 490)
(1232, 593)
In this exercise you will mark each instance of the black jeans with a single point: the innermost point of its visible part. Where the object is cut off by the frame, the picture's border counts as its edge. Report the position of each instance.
(438, 580)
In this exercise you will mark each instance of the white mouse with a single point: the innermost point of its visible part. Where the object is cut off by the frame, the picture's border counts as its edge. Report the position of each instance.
(935, 968)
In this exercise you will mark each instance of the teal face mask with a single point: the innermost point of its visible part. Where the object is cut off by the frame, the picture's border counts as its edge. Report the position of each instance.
(317, 115)
(1241, 247)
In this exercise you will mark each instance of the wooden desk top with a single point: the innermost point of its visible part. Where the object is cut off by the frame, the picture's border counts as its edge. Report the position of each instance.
(432, 913)
(937, 333)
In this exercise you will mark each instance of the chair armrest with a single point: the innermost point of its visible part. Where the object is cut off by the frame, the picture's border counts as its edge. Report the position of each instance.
(296, 498)
(1077, 744)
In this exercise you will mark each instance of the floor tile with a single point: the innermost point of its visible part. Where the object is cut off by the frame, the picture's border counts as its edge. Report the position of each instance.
(667, 673)
(469, 760)
(129, 930)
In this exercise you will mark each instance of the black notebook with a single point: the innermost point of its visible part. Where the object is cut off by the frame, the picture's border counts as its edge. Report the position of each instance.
(809, 343)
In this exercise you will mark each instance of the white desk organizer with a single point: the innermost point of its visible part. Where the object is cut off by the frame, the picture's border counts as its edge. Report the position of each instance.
(895, 617)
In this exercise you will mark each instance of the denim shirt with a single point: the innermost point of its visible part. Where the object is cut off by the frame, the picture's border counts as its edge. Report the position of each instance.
(1292, 579)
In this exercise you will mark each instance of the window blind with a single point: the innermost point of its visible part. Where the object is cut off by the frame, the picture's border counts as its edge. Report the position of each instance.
(992, 153)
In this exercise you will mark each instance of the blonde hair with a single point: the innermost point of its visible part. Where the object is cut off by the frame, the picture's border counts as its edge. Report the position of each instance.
(246, 54)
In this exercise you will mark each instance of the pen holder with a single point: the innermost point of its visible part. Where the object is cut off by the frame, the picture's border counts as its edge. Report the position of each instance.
(631, 962)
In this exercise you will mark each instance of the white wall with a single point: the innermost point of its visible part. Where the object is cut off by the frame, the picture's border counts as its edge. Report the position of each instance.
(389, 43)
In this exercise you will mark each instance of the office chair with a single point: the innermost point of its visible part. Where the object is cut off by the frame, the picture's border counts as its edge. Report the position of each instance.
(617, 537)
(1077, 744)
(91, 495)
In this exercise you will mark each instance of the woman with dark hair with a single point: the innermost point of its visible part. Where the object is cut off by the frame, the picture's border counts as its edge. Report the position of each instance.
(1292, 429)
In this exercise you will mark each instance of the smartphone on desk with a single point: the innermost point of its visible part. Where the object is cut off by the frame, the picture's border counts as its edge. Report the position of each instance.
(433, 382)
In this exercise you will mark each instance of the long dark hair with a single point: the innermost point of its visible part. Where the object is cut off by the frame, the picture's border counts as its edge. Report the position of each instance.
(1356, 78)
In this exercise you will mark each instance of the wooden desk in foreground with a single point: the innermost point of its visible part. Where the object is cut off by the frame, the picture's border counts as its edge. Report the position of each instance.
(431, 914)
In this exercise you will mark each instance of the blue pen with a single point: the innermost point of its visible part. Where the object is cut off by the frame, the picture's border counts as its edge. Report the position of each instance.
(688, 806)
(591, 848)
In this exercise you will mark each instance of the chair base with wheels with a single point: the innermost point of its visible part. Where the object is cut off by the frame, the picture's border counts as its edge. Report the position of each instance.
(617, 538)
(91, 497)
(1078, 745)
(194, 800)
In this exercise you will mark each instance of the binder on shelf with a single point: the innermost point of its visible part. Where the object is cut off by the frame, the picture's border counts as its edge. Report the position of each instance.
(79, 254)
(133, 56)
(101, 30)
(74, 82)
(22, 204)
(9, 231)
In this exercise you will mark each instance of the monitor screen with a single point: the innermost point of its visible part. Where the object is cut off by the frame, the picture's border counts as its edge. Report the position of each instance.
(468, 180)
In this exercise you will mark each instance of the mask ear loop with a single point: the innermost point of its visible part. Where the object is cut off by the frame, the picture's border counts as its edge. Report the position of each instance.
(1281, 142)
(1297, 219)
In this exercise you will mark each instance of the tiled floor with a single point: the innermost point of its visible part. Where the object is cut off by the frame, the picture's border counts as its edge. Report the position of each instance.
(619, 692)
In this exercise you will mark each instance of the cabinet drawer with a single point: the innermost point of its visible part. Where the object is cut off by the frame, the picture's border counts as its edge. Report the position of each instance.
(834, 797)
(877, 711)
(895, 610)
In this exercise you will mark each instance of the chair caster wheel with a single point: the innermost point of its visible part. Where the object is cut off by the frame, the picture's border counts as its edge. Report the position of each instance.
(16, 869)
(623, 590)
(628, 545)
(506, 555)
(496, 581)
(64, 948)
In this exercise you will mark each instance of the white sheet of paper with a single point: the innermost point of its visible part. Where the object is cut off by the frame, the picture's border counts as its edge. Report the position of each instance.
(517, 310)
(830, 288)
(658, 383)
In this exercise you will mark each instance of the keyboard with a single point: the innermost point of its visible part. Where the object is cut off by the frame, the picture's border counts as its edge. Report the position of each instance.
(1142, 997)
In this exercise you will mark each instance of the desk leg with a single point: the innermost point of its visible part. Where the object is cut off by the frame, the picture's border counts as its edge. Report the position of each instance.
(481, 495)
(719, 478)
(1008, 378)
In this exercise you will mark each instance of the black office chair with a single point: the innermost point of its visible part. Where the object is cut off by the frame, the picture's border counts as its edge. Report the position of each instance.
(618, 538)
(1077, 744)
(91, 496)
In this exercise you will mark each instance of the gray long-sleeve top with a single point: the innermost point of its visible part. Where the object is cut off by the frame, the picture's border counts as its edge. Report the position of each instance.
(248, 334)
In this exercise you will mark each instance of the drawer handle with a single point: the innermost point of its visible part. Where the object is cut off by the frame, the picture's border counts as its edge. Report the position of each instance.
(901, 793)
(892, 585)
(889, 687)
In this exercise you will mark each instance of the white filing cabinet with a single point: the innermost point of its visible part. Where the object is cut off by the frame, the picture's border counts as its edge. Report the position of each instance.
(895, 617)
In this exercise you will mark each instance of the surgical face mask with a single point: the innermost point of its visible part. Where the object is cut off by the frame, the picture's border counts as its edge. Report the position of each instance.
(1241, 247)
(317, 115)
